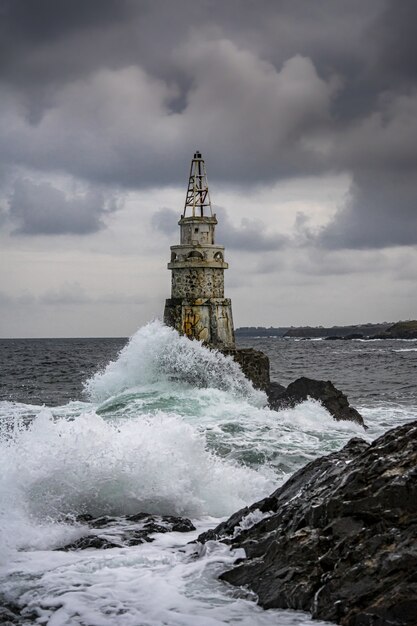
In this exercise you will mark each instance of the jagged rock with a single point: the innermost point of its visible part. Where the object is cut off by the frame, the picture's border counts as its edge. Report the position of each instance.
(322, 390)
(90, 541)
(11, 614)
(340, 536)
(254, 364)
(129, 530)
(275, 392)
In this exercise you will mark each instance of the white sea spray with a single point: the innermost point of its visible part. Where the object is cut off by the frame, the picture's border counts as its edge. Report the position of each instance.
(170, 427)
(157, 354)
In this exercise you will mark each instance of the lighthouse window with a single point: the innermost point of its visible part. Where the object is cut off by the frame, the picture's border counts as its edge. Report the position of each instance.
(196, 230)
(195, 254)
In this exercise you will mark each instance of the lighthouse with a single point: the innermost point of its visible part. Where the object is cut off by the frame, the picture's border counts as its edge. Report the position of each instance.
(197, 307)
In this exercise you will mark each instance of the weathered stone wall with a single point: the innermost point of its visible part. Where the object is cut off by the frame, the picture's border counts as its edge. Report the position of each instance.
(209, 320)
(199, 282)
(197, 230)
(197, 256)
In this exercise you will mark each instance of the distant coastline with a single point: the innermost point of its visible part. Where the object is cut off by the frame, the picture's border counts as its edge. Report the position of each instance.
(383, 330)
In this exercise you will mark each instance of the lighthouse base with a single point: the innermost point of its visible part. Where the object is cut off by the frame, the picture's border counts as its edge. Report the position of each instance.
(205, 319)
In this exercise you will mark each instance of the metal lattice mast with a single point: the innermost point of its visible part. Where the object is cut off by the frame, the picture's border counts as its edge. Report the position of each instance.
(198, 196)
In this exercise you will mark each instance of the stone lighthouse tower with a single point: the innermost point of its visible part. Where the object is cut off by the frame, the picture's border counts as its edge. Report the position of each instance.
(197, 307)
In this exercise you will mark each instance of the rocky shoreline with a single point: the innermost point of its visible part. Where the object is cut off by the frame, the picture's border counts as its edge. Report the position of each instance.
(107, 532)
(385, 330)
(255, 365)
(337, 404)
(338, 539)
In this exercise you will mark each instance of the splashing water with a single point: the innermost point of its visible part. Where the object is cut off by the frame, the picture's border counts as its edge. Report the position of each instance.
(170, 428)
(158, 355)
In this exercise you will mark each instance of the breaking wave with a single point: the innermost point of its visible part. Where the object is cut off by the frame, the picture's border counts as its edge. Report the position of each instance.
(158, 355)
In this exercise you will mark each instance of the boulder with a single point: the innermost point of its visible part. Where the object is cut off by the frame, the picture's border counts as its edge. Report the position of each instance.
(338, 539)
(130, 530)
(275, 392)
(322, 390)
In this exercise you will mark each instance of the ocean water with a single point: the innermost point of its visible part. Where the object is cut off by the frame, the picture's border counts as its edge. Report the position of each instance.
(163, 425)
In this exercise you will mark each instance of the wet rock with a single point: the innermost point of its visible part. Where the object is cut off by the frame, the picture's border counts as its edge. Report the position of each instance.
(90, 541)
(322, 390)
(11, 614)
(130, 530)
(339, 539)
(254, 364)
(275, 392)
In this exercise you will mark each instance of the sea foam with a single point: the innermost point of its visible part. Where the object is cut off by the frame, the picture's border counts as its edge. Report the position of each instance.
(157, 354)
(66, 467)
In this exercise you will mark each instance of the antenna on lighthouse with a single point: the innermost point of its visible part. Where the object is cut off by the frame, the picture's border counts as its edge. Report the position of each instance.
(198, 196)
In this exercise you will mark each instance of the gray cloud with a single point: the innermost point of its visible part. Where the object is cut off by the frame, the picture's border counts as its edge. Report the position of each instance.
(21, 300)
(165, 221)
(248, 235)
(380, 212)
(380, 151)
(68, 295)
(117, 127)
(41, 209)
(118, 93)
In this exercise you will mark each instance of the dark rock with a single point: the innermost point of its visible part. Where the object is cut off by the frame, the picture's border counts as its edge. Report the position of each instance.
(126, 531)
(324, 391)
(275, 392)
(354, 336)
(333, 338)
(340, 540)
(254, 364)
(11, 614)
(90, 541)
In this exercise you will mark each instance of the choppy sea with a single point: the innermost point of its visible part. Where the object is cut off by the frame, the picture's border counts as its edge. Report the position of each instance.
(163, 425)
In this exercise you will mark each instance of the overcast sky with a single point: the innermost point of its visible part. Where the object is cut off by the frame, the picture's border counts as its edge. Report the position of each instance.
(306, 114)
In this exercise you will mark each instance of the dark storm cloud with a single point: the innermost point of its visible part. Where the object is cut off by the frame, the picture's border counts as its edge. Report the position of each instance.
(380, 151)
(396, 43)
(121, 92)
(249, 235)
(380, 212)
(41, 209)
